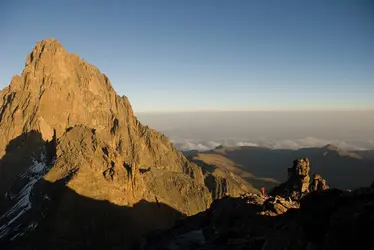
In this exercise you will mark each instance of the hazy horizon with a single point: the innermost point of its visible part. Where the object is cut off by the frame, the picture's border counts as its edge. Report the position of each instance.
(350, 130)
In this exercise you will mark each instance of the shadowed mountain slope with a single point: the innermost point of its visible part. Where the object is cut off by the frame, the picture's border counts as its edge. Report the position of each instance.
(68, 220)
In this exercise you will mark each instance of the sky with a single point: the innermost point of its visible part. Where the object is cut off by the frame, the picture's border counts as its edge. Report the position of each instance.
(173, 56)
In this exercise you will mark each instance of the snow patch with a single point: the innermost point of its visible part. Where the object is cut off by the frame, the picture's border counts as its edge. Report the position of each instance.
(23, 203)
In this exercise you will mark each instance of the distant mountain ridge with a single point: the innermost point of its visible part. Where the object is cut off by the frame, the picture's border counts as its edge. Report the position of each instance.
(262, 166)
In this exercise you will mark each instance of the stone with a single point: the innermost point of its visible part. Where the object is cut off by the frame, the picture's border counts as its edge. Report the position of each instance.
(278, 205)
(318, 183)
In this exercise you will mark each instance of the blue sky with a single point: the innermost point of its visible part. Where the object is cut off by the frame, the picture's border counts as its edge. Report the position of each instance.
(208, 55)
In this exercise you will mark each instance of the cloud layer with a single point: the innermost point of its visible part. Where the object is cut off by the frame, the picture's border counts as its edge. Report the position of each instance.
(184, 144)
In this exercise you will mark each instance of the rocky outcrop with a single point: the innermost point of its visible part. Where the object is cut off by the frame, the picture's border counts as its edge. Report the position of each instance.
(64, 109)
(318, 183)
(271, 206)
(330, 219)
(278, 205)
(298, 183)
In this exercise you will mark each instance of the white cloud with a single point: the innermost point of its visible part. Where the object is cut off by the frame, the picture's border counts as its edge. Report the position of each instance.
(247, 144)
(192, 144)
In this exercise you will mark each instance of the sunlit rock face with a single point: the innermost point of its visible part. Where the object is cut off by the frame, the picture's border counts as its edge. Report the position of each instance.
(64, 126)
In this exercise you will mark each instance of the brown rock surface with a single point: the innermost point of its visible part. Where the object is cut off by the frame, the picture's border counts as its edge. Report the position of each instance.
(278, 205)
(100, 147)
(222, 182)
(318, 183)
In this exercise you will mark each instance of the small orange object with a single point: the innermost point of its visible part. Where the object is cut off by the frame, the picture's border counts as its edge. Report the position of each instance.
(263, 191)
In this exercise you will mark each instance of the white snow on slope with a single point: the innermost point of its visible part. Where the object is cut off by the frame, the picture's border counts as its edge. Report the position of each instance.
(22, 204)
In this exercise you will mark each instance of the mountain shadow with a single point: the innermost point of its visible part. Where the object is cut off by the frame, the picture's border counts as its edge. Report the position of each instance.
(330, 219)
(72, 221)
(37, 214)
(18, 157)
(225, 225)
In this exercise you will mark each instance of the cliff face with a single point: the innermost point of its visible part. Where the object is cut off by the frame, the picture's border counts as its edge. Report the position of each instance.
(221, 182)
(62, 113)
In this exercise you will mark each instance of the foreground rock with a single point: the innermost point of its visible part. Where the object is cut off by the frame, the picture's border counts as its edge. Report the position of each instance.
(318, 218)
(278, 205)
(330, 219)
(65, 129)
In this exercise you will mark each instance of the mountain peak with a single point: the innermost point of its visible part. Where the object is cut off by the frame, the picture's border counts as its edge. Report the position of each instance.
(46, 48)
(61, 90)
(49, 42)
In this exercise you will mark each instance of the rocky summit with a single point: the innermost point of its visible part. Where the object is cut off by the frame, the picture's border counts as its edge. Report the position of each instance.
(77, 168)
